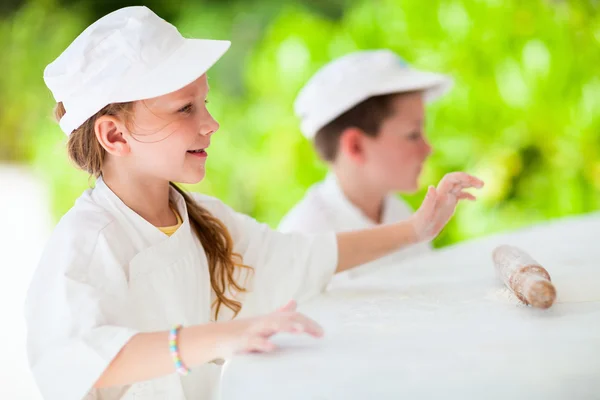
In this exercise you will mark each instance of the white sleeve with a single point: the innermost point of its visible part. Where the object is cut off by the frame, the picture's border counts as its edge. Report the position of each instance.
(286, 265)
(75, 327)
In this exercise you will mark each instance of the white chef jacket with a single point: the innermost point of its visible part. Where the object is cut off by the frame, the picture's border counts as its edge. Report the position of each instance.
(107, 274)
(325, 208)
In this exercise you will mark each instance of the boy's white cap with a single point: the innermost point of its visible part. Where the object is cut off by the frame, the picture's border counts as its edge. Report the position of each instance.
(129, 54)
(353, 78)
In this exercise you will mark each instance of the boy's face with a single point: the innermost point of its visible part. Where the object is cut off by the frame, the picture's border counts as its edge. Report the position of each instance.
(394, 158)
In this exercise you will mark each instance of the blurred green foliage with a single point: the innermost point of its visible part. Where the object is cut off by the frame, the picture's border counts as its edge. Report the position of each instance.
(524, 114)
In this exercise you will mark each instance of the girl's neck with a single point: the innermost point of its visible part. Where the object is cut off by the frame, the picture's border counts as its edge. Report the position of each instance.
(148, 198)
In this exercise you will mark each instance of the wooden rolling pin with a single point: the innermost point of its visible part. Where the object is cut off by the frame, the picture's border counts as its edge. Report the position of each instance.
(524, 276)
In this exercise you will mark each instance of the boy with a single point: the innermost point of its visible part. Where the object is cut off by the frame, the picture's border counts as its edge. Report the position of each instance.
(365, 114)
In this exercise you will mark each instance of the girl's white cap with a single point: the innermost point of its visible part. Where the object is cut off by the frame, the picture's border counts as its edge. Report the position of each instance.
(353, 78)
(130, 54)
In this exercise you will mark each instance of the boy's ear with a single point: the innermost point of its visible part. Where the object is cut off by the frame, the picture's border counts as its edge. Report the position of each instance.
(109, 132)
(352, 142)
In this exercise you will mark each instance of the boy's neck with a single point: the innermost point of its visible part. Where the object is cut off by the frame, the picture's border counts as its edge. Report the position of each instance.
(362, 193)
(149, 199)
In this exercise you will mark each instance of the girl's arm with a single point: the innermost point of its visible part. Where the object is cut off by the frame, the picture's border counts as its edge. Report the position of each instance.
(359, 247)
(146, 356)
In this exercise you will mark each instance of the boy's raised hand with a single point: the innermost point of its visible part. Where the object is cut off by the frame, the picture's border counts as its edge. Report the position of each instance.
(439, 204)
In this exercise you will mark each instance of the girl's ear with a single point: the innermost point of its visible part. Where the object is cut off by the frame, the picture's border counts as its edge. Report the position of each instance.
(109, 132)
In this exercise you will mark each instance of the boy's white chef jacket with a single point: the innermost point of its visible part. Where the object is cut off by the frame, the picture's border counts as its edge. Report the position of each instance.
(325, 208)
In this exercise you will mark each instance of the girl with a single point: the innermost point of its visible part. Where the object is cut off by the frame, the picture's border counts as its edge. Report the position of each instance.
(143, 288)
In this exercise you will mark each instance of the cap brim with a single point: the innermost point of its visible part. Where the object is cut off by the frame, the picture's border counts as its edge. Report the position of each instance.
(432, 84)
(186, 64)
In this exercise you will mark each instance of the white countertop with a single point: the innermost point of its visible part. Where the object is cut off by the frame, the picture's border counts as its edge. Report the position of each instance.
(444, 326)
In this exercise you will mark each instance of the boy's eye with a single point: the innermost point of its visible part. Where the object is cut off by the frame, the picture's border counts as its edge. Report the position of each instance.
(414, 136)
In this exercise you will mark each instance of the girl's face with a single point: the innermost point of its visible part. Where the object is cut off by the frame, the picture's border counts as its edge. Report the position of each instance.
(167, 136)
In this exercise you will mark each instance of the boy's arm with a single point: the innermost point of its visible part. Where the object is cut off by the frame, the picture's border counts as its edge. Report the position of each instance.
(359, 247)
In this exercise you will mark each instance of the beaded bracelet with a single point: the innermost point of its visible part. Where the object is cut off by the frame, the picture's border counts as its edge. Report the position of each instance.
(174, 349)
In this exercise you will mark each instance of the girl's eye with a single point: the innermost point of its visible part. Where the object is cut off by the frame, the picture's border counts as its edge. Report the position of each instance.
(187, 109)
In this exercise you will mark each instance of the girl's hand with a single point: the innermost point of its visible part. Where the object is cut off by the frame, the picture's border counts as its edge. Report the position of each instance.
(253, 334)
(440, 203)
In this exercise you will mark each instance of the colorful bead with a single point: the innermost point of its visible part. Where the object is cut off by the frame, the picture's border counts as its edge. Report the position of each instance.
(174, 350)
